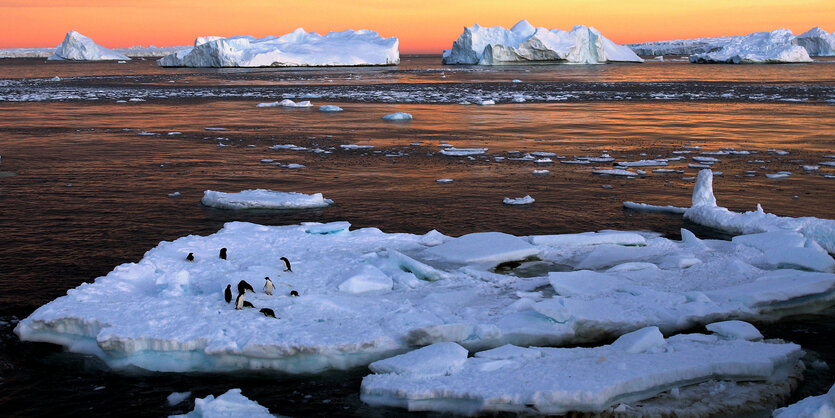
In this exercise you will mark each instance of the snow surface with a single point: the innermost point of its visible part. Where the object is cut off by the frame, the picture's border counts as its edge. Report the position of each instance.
(777, 46)
(637, 366)
(705, 211)
(77, 47)
(230, 404)
(298, 48)
(822, 406)
(526, 44)
(264, 199)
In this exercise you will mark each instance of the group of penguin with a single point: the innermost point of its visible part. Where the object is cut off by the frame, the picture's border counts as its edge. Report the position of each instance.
(243, 286)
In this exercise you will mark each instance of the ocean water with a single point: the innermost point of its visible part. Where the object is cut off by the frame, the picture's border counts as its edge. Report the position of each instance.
(85, 175)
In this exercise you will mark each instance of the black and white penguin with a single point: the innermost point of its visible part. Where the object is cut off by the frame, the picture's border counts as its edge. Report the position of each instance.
(294, 293)
(190, 257)
(239, 301)
(223, 253)
(268, 286)
(227, 294)
(243, 286)
(247, 304)
(267, 312)
(286, 264)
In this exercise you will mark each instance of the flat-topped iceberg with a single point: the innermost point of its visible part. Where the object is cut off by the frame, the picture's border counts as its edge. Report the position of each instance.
(816, 41)
(777, 46)
(77, 47)
(230, 404)
(636, 367)
(524, 44)
(264, 199)
(295, 49)
(365, 295)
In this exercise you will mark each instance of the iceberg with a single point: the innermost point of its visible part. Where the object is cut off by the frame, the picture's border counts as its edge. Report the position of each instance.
(230, 404)
(705, 211)
(77, 47)
(817, 42)
(264, 199)
(295, 49)
(398, 116)
(524, 44)
(777, 46)
(366, 295)
(636, 367)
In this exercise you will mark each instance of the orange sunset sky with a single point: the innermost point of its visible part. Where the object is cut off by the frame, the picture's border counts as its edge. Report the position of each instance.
(423, 26)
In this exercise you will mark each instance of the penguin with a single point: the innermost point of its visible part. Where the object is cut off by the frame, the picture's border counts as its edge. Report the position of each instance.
(243, 286)
(227, 294)
(267, 312)
(294, 293)
(239, 301)
(286, 264)
(190, 257)
(223, 253)
(247, 304)
(268, 286)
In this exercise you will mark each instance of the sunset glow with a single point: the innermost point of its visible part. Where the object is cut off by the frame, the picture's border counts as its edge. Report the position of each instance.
(423, 27)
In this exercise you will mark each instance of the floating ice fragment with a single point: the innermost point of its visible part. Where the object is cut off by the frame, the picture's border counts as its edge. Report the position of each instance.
(527, 200)
(175, 398)
(615, 172)
(398, 116)
(286, 103)
(643, 207)
(330, 108)
(462, 152)
(264, 199)
(230, 404)
(444, 180)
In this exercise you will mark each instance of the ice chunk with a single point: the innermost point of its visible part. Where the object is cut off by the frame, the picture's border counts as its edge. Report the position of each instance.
(398, 116)
(614, 172)
(644, 207)
(586, 380)
(642, 163)
(526, 44)
(77, 47)
(286, 103)
(366, 279)
(735, 330)
(590, 238)
(264, 199)
(822, 406)
(491, 248)
(647, 339)
(527, 200)
(777, 46)
(434, 360)
(298, 48)
(703, 192)
(462, 152)
(176, 397)
(330, 108)
(230, 404)
(445, 180)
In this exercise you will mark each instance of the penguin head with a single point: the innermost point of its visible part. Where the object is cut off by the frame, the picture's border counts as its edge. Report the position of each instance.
(267, 279)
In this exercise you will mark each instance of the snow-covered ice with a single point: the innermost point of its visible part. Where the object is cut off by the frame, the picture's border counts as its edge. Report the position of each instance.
(298, 48)
(330, 108)
(175, 398)
(263, 199)
(398, 116)
(816, 41)
(635, 367)
(643, 207)
(822, 406)
(230, 404)
(462, 152)
(615, 172)
(286, 103)
(524, 44)
(777, 46)
(77, 47)
(527, 200)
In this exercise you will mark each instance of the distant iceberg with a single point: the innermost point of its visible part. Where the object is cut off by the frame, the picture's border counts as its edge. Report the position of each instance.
(526, 44)
(77, 47)
(777, 46)
(817, 42)
(295, 49)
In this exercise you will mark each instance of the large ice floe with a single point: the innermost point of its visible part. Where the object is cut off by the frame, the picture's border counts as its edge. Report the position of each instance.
(264, 199)
(777, 46)
(297, 48)
(816, 41)
(77, 47)
(526, 44)
(803, 236)
(822, 406)
(365, 295)
(611, 378)
(230, 404)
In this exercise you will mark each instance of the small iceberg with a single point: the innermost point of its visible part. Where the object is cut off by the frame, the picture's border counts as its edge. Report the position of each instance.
(525, 44)
(527, 200)
(77, 47)
(286, 103)
(330, 108)
(230, 404)
(264, 199)
(398, 116)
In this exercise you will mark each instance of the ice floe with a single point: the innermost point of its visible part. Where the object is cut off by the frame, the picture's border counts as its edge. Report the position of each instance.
(636, 367)
(264, 199)
(77, 47)
(525, 44)
(527, 200)
(175, 398)
(615, 172)
(822, 406)
(286, 103)
(230, 404)
(398, 116)
(298, 48)
(330, 108)
(777, 46)
(643, 207)
(462, 152)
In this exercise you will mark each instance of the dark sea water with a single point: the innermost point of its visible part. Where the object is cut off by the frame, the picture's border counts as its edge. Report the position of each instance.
(85, 178)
